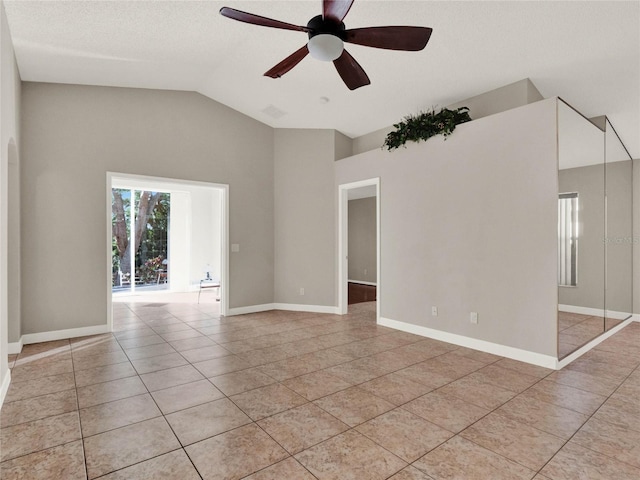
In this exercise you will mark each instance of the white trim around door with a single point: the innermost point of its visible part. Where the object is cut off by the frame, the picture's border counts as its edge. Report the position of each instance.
(170, 184)
(343, 242)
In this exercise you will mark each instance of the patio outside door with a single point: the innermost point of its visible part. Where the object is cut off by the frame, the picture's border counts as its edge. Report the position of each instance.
(140, 260)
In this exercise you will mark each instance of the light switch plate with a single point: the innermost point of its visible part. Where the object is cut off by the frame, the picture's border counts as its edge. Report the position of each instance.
(235, 247)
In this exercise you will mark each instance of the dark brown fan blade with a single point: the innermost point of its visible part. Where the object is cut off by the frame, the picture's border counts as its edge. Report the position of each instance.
(351, 72)
(258, 20)
(391, 38)
(288, 63)
(336, 10)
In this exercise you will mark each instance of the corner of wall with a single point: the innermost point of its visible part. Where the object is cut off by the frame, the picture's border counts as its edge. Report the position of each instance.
(9, 139)
(507, 97)
(343, 146)
(370, 141)
(4, 387)
(636, 237)
(14, 326)
(533, 94)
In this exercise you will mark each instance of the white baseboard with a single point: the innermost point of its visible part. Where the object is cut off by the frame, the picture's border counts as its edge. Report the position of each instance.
(539, 359)
(28, 338)
(588, 346)
(15, 347)
(265, 307)
(306, 308)
(282, 306)
(4, 388)
(636, 317)
(619, 315)
(597, 312)
(362, 282)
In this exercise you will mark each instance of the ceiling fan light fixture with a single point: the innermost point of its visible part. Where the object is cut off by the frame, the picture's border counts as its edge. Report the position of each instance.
(327, 33)
(325, 47)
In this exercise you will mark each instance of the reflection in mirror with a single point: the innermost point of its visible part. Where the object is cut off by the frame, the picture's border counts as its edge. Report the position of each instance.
(619, 235)
(568, 240)
(581, 230)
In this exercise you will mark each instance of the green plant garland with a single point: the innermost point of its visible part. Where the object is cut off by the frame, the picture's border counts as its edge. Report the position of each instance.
(425, 125)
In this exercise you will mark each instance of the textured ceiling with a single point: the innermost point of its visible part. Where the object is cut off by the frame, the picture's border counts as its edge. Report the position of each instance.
(586, 52)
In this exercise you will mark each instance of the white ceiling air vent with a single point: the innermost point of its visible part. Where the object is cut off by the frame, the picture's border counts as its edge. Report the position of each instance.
(274, 112)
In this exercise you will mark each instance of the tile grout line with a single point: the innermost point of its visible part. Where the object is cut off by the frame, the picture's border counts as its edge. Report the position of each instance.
(498, 407)
(590, 417)
(311, 402)
(345, 330)
(182, 447)
(84, 453)
(135, 423)
(164, 418)
(255, 422)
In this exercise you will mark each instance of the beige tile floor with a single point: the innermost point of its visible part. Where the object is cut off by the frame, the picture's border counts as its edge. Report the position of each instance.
(178, 392)
(575, 330)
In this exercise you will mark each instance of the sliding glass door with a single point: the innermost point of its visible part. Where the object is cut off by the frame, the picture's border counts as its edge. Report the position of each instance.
(140, 227)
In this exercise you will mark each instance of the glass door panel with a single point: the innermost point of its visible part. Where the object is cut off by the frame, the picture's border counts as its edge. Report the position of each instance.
(120, 240)
(139, 261)
(152, 228)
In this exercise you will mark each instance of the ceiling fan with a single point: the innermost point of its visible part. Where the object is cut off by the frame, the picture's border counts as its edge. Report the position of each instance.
(327, 34)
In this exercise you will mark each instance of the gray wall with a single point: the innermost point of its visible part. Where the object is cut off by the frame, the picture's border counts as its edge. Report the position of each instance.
(470, 224)
(205, 232)
(9, 170)
(495, 101)
(619, 185)
(73, 135)
(14, 215)
(362, 240)
(343, 146)
(636, 237)
(13, 244)
(589, 182)
(500, 99)
(305, 224)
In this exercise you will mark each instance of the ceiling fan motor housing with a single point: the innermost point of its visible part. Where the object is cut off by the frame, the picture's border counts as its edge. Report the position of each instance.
(319, 26)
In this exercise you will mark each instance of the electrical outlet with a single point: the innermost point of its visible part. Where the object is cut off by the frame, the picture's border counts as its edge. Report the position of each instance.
(434, 311)
(365, 271)
(301, 291)
(474, 318)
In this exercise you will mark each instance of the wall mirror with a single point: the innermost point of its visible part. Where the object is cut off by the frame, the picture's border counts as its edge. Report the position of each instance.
(581, 230)
(595, 229)
(619, 229)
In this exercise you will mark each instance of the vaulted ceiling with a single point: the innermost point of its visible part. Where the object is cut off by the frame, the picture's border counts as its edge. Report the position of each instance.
(586, 52)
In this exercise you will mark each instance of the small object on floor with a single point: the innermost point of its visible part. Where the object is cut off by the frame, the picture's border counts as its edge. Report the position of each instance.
(209, 282)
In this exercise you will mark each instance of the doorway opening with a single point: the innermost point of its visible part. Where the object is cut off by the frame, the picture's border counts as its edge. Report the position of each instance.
(359, 245)
(167, 241)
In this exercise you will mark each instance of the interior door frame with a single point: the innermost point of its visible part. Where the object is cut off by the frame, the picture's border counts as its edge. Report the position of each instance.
(343, 244)
(224, 220)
